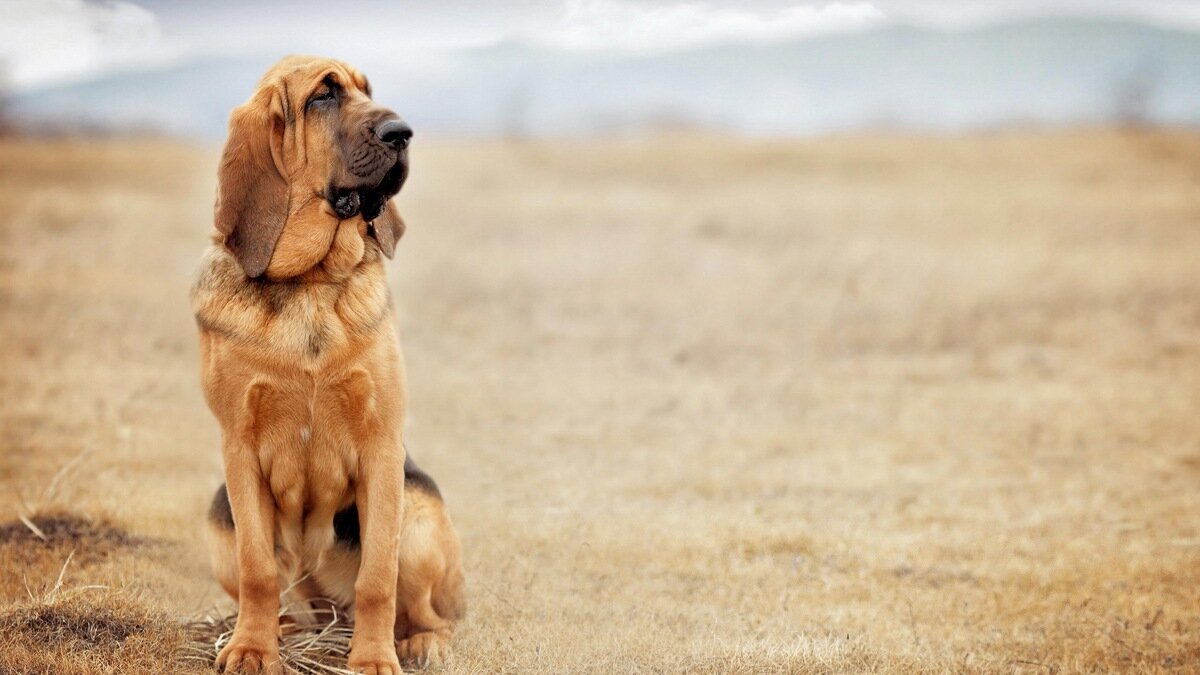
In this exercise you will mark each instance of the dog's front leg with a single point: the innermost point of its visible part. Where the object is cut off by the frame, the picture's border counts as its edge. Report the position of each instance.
(254, 645)
(380, 498)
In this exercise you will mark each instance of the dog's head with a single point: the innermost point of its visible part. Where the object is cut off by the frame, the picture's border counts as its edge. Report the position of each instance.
(309, 150)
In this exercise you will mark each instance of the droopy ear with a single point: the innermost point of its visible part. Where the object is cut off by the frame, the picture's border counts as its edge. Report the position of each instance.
(388, 228)
(252, 195)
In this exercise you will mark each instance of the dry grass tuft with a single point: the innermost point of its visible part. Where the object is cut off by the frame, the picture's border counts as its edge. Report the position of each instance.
(86, 633)
(72, 626)
(317, 649)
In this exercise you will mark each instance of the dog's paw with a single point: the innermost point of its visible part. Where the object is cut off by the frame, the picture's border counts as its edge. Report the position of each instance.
(374, 659)
(246, 654)
(422, 650)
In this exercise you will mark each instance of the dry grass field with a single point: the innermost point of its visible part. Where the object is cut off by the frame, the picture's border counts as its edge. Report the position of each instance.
(857, 404)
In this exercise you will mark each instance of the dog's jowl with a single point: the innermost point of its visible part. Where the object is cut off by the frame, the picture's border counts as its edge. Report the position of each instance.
(301, 366)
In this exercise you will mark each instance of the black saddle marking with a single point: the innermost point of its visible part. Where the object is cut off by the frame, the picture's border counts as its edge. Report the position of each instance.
(220, 512)
(345, 522)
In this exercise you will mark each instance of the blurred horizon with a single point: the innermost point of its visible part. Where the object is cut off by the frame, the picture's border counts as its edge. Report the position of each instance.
(584, 67)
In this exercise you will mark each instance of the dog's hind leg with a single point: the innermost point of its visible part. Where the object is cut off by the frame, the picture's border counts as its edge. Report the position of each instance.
(429, 590)
(428, 634)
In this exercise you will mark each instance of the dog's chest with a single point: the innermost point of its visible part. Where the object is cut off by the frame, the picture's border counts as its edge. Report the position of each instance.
(308, 446)
(308, 487)
(310, 326)
(306, 463)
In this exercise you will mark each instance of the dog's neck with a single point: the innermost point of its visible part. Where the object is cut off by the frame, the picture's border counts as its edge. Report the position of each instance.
(351, 247)
(345, 246)
(337, 308)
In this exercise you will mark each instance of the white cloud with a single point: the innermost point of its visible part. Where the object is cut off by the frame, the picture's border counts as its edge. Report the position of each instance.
(625, 25)
(969, 14)
(48, 41)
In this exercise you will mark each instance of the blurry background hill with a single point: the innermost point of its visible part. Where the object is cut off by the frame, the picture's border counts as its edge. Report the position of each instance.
(872, 73)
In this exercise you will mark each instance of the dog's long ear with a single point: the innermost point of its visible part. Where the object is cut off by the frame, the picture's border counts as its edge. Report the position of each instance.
(388, 228)
(252, 194)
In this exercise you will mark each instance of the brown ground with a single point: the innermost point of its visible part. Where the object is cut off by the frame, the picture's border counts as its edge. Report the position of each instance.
(854, 404)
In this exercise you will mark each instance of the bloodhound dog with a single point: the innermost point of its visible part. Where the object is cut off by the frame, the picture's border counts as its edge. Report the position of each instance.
(302, 369)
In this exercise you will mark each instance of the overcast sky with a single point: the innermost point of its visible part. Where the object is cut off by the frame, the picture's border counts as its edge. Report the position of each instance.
(44, 42)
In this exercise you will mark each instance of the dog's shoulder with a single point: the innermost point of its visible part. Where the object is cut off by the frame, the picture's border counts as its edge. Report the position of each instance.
(224, 301)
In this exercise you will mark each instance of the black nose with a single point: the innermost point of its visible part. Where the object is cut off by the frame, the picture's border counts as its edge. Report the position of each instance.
(395, 133)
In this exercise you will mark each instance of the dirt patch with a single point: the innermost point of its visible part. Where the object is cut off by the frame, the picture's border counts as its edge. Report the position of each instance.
(90, 539)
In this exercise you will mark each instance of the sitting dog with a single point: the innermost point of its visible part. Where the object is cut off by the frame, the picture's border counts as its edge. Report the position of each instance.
(302, 369)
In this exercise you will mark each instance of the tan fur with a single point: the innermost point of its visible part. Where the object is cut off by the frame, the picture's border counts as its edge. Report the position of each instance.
(304, 373)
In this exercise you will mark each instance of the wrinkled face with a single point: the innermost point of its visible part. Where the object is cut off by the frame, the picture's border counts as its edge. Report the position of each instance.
(366, 145)
(309, 155)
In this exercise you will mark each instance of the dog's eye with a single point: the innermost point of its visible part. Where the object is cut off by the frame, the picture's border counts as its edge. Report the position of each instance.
(328, 92)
